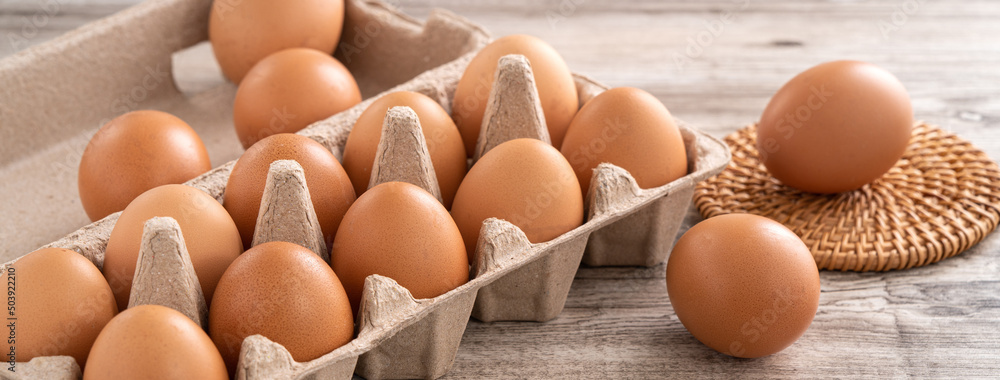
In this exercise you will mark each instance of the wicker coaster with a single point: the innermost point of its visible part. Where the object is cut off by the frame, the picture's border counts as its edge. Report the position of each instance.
(941, 198)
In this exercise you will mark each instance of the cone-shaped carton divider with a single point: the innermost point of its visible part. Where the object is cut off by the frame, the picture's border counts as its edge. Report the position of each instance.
(286, 210)
(513, 109)
(384, 303)
(402, 153)
(260, 358)
(164, 274)
(500, 244)
(611, 188)
(44, 367)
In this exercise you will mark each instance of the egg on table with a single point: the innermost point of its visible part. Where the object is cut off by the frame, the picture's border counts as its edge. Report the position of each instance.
(742, 284)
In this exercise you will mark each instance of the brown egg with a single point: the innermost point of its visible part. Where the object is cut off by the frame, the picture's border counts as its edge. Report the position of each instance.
(211, 236)
(329, 187)
(289, 90)
(443, 142)
(630, 128)
(136, 152)
(556, 88)
(286, 293)
(525, 182)
(61, 303)
(154, 342)
(400, 231)
(244, 32)
(835, 127)
(742, 284)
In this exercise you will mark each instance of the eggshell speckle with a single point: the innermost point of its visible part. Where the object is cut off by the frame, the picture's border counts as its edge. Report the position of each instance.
(743, 284)
(556, 88)
(245, 31)
(154, 342)
(136, 152)
(835, 127)
(629, 128)
(61, 303)
(443, 142)
(286, 293)
(400, 231)
(329, 187)
(289, 90)
(211, 236)
(525, 182)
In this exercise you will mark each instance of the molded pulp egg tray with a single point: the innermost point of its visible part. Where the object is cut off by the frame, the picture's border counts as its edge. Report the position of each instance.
(54, 96)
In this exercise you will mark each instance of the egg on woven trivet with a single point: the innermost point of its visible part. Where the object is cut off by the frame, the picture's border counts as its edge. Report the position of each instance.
(329, 187)
(154, 342)
(286, 293)
(245, 31)
(288, 90)
(400, 231)
(210, 235)
(525, 182)
(136, 152)
(556, 88)
(940, 199)
(443, 142)
(743, 285)
(58, 303)
(835, 127)
(631, 129)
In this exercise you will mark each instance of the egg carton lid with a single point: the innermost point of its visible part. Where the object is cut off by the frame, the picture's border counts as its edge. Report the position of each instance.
(941, 198)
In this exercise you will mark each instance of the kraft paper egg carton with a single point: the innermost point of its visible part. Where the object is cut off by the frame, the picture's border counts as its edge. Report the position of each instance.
(398, 336)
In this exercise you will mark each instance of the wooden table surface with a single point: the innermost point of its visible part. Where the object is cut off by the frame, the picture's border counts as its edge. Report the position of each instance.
(715, 64)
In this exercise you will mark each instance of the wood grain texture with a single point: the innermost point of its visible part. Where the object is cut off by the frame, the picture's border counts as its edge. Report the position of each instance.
(717, 72)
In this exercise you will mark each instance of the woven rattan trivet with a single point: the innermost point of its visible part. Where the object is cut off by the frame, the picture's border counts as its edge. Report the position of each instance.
(941, 198)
